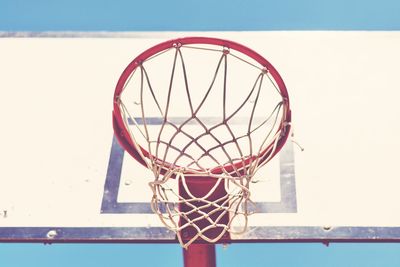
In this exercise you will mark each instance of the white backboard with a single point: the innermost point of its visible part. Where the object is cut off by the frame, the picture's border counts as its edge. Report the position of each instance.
(64, 177)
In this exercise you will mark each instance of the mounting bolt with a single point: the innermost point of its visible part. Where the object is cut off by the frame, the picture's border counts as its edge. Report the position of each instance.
(51, 234)
(327, 228)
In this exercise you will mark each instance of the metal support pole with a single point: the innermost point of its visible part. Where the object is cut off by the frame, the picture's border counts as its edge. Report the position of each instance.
(199, 255)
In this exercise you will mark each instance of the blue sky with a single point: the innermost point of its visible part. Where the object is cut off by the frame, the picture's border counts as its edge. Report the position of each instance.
(191, 15)
(153, 15)
(121, 255)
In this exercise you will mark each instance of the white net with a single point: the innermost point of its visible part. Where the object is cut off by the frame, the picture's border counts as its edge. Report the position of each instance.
(209, 118)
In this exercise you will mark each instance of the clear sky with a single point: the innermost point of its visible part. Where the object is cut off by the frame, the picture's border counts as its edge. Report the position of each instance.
(123, 15)
(192, 15)
(254, 255)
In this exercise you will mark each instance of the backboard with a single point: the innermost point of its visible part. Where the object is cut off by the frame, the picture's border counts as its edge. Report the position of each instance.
(65, 178)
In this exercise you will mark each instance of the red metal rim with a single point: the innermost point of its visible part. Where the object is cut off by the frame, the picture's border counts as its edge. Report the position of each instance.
(122, 133)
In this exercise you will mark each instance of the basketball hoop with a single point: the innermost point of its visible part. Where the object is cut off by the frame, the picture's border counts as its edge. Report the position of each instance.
(203, 145)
